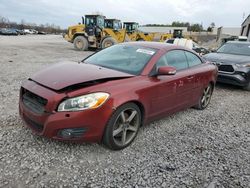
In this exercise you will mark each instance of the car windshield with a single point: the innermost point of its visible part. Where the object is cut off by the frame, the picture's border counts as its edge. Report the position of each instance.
(235, 48)
(124, 58)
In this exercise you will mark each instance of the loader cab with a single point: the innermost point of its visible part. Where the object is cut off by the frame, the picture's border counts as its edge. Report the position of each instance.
(177, 33)
(94, 24)
(113, 24)
(130, 26)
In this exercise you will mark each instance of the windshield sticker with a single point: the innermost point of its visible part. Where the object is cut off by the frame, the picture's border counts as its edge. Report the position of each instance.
(149, 52)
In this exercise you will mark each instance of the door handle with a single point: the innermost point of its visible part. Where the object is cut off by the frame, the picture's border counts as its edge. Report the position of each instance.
(190, 77)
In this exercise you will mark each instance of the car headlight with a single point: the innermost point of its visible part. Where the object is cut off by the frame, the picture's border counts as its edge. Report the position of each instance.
(89, 101)
(243, 65)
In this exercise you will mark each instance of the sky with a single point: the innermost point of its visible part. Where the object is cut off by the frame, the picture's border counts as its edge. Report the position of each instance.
(227, 13)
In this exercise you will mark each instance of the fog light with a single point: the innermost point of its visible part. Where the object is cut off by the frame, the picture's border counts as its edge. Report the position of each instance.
(71, 133)
(243, 74)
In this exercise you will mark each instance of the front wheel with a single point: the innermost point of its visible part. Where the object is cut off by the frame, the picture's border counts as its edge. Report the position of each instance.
(81, 43)
(123, 126)
(205, 98)
(107, 42)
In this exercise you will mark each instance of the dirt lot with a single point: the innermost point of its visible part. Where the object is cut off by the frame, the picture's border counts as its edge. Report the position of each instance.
(209, 148)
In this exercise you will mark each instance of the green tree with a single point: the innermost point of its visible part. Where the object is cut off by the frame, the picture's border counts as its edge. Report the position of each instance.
(196, 27)
(209, 29)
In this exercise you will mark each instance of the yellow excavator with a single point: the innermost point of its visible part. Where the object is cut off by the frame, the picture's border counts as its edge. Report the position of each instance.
(93, 33)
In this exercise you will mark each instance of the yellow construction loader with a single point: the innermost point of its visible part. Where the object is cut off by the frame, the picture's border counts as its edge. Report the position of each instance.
(176, 34)
(114, 24)
(134, 34)
(92, 33)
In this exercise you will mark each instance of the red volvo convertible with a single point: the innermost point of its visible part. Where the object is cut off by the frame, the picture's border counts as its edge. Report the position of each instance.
(110, 94)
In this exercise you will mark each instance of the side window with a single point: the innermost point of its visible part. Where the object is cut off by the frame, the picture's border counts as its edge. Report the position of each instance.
(192, 59)
(177, 59)
(162, 62)
(170, 41)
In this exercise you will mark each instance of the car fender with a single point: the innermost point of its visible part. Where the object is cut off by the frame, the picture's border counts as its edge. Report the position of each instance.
(130, 97)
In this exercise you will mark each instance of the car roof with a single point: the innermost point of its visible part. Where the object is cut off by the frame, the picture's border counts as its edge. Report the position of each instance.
(112, 19)
(239, 42)
(94, 15)
(130, 22)
(155, 45)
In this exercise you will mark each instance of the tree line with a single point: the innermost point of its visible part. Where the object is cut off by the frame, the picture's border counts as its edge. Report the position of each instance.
(196, 27)
(52, 28)
(47, 28)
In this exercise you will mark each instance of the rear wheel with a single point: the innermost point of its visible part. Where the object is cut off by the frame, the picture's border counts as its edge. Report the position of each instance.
(247, 87)
(122, 127)
(205, 98)
(107, 42)
(81, 43)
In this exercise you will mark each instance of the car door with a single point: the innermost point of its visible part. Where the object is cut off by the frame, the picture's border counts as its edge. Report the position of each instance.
(164, 86)
(196, 67)
(185, 81)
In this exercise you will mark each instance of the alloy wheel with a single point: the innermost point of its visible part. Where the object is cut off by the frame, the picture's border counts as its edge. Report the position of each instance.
(126, 126)
(207, 93)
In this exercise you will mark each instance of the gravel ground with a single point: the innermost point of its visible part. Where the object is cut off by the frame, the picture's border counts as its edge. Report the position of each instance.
(209, 148)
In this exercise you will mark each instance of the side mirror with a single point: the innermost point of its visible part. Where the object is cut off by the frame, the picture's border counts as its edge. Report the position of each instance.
(166, 70)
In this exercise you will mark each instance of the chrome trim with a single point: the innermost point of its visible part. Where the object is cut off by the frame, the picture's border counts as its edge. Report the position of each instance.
(226, 72)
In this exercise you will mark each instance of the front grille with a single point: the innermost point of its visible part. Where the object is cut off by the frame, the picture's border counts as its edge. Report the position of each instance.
(34, 102)
(226, 68)
(36, 126)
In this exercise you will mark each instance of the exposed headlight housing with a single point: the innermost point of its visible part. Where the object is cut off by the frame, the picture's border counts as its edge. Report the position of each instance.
(243, 65)
(89, 101)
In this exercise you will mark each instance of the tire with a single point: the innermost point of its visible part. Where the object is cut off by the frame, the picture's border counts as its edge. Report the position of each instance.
(205, 98)
(247, 87)
(107, 42)
(122, 127)
(81, 43)
(140, 40)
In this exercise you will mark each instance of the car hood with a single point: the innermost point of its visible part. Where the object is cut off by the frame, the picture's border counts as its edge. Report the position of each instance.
(227, 58)
(63, 75)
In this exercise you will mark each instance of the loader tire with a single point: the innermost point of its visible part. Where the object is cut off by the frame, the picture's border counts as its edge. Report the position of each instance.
(107, 42)
(81, 43)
